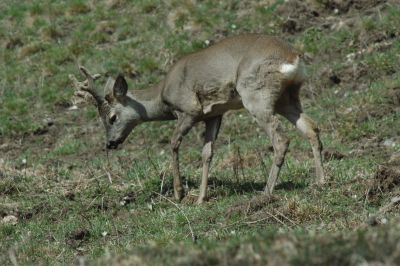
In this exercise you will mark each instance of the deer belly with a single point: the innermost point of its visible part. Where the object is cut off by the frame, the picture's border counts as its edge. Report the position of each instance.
(219, 98)
(222, 106)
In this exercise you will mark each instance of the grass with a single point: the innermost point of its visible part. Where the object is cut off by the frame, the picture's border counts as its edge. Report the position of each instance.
(73, 202)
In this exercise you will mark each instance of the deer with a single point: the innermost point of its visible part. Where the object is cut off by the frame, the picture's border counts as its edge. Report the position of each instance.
(262, 74)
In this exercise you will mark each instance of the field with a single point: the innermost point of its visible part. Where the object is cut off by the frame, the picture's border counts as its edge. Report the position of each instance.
(65, 200)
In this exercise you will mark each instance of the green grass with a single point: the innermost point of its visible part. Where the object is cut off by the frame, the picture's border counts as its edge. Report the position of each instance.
(74, 201)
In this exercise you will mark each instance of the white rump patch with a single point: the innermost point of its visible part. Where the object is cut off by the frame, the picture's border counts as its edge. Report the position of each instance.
(295, 70)
(289, 68)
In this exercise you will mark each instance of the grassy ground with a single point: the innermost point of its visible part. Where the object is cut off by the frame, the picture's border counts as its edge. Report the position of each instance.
(63, 200)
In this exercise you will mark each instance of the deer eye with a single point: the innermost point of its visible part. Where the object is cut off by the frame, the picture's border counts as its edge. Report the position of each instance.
(113, 118)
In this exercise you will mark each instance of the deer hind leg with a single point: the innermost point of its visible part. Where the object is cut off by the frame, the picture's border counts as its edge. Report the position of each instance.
(260, 98)
(309, 128)
(290, 107)
(184, 124)
(280, 144)
(210, 135)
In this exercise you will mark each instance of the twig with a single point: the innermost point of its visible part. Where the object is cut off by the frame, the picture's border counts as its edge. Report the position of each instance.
(59, 255)
(91, 203)
(284, 216)
(109, 177)
(254, 222)
(108, 166)
(238, 164)
(152, 163)
(262, 166)
(136, 175)
(276, 218)
(389, 206)
(162, 181)
(184, 215)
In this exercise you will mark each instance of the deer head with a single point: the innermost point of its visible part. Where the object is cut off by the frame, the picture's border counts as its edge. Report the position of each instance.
(118, 117)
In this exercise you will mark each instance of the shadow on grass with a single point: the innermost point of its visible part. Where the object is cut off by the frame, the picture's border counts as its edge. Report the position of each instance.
(243, 187)
(290, 185)
(216, 186)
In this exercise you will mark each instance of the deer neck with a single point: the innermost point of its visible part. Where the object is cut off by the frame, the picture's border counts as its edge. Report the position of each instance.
(149, 105)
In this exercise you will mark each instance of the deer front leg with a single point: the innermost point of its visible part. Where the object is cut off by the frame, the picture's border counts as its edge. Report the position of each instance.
(210, 135)
(184, 124)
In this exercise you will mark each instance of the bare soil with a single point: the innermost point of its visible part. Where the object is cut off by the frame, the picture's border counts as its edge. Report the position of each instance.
(387, 179)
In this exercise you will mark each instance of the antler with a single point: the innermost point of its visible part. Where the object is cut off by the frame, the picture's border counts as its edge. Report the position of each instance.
(87, 86)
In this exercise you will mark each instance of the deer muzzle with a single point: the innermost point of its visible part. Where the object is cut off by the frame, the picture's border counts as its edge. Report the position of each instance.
(113, 144)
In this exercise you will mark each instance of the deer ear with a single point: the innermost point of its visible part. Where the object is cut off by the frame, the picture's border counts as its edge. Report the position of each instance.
(108, 89)
(120, 87)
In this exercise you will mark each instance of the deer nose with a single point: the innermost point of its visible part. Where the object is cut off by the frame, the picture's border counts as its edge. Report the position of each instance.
(112, 144)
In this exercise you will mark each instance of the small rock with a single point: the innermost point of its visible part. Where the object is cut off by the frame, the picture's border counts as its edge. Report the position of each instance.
(389, 143)
(10, 219)
(126, 200)
(73, 107)
(48, 121)
(372, 220)
(348, 111)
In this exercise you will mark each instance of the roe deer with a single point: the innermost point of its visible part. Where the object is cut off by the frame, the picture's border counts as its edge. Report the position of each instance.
(263, 74)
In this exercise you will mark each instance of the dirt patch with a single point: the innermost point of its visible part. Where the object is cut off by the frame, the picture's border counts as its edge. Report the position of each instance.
(77, 238)
(386, 180)
(237, 161)
(390, 105)
(36, 210)
(249, 207)
(394, 96)
(300, 15)
(344, 6)
(288, 213)
(263, 209)
(331, 154)
(325, 14)
(354, 77)
(372, 147)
